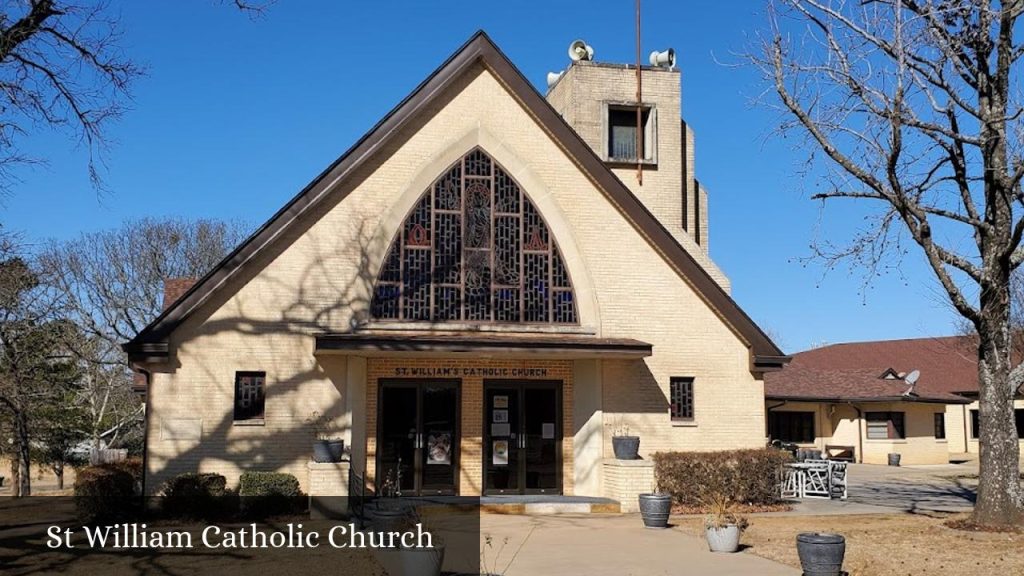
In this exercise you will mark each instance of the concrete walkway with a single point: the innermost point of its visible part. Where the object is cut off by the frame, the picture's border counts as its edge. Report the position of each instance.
(608, 545)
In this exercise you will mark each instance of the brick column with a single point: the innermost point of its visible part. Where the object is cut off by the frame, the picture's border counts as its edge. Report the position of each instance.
(626, 480)
(328, 489)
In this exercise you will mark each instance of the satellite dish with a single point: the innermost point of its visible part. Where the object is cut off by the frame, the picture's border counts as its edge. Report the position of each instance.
(580, 50)
(912, 377)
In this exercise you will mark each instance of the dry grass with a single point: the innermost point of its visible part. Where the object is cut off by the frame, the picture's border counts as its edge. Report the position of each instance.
(888, 545)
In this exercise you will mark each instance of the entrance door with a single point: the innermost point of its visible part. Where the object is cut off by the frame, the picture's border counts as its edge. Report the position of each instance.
(418, 436)
(522, 437)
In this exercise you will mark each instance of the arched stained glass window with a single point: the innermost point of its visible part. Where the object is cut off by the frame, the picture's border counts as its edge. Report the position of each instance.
(474, 249)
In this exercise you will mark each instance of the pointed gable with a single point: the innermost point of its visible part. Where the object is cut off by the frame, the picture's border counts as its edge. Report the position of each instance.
(151, 343)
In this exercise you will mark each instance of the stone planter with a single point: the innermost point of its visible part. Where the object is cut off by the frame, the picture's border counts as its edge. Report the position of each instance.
(626, 447)
(724, 539)
(894, 459)
(821, 554)
(328, 450)
(411, 561)
(385, 517)
(655, 509)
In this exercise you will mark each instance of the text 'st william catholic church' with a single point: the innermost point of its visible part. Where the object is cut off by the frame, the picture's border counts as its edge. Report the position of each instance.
(478, 294)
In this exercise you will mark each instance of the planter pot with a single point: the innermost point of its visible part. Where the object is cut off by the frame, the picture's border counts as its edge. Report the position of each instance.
(328, 450)
(411, 561)
(894, 459)
(385, 518)
(626, 447)
(724, 539)
(654, 510)
(821, 554)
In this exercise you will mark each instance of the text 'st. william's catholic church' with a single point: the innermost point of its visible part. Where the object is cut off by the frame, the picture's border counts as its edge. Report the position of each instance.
(479, 295)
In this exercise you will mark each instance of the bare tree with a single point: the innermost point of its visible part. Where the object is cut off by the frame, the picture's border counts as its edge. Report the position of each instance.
(34, 365)
(916, 106)
(111, 286)
(63, 67)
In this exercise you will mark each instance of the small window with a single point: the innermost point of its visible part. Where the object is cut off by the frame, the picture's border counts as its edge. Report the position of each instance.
(940, 425)
(1018, 419)
(622, 137)
(791, 426)
(249, 395)
(885, 425)
(681, 398)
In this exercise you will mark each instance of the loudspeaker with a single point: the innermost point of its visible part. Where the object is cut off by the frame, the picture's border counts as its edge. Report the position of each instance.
(554, 77)
(580, 50)
(663, 59)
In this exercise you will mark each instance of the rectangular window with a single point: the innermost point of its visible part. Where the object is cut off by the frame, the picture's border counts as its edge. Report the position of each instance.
(1018, 418)
(791, 426)
(622, 134)
(885, 425)
(940, 425)
(681, 398)
(249, 395)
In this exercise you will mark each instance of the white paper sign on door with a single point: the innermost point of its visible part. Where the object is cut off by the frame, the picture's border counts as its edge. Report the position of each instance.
(499, 453)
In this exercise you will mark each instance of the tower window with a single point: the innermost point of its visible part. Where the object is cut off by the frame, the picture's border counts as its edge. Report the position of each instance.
(622, 134)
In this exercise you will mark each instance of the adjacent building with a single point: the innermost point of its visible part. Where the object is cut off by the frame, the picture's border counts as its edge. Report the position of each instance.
(477, 296)
(914, 397)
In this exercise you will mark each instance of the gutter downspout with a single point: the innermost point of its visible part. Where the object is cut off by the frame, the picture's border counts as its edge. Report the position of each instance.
(769, 409)
(860, 433)
(145, 429)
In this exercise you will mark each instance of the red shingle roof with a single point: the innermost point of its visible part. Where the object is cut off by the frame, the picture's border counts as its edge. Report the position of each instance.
(852, 371)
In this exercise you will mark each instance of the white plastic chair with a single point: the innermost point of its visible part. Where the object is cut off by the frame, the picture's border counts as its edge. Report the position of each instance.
(816, 481)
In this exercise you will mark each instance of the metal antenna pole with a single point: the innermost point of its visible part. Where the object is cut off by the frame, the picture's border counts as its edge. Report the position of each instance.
(639, 108)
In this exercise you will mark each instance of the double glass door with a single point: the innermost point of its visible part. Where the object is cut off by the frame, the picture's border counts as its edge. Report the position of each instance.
(418, 437)
(522, 437)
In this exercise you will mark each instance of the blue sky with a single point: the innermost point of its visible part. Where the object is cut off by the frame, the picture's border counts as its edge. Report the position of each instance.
(236, 115)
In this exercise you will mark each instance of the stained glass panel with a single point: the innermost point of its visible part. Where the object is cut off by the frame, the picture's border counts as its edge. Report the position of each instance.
(474, 248)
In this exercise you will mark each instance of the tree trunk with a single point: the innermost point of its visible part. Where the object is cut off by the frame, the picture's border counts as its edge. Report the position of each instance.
(15, 472)
(24, 486)
(58, 471)
(999, 492)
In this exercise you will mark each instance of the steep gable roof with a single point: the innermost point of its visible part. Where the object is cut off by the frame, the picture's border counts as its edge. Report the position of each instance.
(151, 343)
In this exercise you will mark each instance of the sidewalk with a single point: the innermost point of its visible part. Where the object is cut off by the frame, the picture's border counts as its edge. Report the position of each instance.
(610, 545)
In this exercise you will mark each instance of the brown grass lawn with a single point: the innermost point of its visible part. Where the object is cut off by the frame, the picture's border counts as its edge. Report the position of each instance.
(888, 545)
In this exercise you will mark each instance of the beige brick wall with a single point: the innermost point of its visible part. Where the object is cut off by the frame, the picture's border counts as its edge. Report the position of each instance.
(625, 480)
(316, 278)
(582, 96)
(843, 426)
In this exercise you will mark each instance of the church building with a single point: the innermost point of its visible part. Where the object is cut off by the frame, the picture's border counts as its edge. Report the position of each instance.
(477, 296)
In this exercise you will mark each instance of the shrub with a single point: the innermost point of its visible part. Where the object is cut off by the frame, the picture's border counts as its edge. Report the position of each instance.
(104, 493)
(131, 465)
(269, 493)
(743, 476)
(192, 495)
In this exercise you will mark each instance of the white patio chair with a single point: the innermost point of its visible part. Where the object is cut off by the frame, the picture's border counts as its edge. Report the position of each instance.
(816, 482)
(790, 482)
(837, 479)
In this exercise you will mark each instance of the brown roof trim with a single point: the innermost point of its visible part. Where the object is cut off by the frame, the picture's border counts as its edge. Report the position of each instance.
(477, 343)
(478, 48)
(873, 399)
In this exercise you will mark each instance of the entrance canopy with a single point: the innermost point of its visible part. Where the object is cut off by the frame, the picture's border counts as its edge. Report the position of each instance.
(482, 345)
